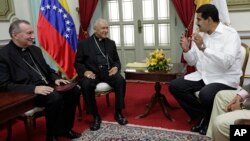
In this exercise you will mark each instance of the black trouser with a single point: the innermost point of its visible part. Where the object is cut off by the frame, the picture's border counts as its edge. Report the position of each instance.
(117, 82)
(59, 110)
(183, 91)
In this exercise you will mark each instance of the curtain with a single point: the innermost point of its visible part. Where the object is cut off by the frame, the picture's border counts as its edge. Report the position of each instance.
(86, 10)
(186, 11)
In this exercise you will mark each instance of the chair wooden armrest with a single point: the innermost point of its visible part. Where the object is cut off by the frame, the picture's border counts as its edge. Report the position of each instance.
(242, 122)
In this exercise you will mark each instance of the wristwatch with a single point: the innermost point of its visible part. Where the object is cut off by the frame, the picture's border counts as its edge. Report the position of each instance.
(242, 106)
(203, 46)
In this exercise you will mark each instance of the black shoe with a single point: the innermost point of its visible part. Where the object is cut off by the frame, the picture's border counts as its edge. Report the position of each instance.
(120, 119)
(51, 138)
(71, 134)
(203, 130)
(198, 127)
(96, 123)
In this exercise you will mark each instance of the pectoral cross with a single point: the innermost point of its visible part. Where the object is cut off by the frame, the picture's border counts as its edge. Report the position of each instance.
(44, 79)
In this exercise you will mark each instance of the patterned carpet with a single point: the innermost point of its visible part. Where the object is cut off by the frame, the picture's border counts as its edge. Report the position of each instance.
(113, 132)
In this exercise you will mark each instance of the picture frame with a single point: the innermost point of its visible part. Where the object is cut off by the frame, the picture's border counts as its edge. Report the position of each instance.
(6, 10)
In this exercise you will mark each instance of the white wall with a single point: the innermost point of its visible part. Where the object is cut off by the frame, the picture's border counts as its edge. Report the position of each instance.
(240, 20)
(73, 4)
(21, 11)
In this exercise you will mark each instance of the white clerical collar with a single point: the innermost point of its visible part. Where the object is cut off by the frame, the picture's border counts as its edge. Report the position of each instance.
(99, 39)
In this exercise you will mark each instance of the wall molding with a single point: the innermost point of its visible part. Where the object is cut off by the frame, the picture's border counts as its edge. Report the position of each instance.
(244, 34)
(238, 5)
(6, 10)
(4, 42)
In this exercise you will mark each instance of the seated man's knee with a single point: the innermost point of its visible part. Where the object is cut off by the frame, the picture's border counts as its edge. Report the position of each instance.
(220, 94)
(54, 98)
(74, 93)
(173, 86)
(87, 84)
(119, 79)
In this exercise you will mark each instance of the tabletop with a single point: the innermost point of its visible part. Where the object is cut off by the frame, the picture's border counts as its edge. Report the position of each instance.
(140, 73)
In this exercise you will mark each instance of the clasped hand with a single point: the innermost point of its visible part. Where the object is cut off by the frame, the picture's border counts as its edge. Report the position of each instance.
(185, 41)
(91, 75)
(234, 104)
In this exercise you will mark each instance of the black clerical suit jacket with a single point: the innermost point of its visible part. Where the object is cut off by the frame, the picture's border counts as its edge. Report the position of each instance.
(86, 56)
(15, 74)
(86, 60)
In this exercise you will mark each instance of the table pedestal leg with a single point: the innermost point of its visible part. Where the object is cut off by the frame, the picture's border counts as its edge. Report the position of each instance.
(157, 97)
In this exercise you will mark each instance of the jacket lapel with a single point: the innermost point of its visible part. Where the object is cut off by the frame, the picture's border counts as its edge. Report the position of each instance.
(37, 59)
(92, 48)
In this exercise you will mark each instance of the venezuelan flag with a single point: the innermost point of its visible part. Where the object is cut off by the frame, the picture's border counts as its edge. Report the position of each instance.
(57, 34)
(198, 3)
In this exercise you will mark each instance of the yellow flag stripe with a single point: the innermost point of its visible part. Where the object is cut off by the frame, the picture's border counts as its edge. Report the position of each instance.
(64, 5)
(198, 3)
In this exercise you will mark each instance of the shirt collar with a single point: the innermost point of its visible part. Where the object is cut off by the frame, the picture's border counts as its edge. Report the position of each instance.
(98, 39)
(219, 28)
(20, 49)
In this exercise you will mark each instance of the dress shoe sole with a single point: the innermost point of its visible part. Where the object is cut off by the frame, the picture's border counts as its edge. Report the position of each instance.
(72, 135)
(95, 126)
(196, 129)
(121, 121)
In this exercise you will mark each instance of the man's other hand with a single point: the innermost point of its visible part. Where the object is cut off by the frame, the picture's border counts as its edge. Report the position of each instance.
(61, 81)
(113, 71)
(43, 90)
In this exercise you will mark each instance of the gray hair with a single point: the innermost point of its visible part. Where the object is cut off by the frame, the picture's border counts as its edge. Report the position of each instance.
(15, 28)
(98, 21)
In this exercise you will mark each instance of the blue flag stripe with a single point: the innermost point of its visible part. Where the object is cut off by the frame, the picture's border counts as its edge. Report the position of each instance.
(61, 20)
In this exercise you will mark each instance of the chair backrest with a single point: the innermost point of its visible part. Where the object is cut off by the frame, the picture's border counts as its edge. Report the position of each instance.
(245, 56)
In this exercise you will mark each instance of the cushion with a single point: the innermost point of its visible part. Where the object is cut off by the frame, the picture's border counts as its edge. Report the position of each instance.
(103, 87)
(33, 111)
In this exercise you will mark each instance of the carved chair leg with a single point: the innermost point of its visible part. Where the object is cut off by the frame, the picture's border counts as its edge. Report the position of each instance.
(79, 110)
(29, 127)
(9, 130)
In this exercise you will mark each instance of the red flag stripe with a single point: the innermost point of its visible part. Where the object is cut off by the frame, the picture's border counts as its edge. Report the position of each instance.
(57, 46)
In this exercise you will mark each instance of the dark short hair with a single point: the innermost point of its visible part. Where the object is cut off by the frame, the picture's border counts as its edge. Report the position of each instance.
(209, 10)
(14, 26)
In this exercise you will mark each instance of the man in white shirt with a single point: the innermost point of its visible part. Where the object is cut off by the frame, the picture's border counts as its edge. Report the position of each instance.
(217, 58)
(229, 105)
